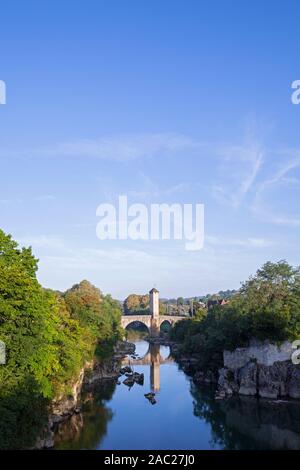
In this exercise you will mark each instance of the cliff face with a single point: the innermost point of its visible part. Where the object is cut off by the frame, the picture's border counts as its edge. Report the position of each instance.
(64, 407)
(263, 369)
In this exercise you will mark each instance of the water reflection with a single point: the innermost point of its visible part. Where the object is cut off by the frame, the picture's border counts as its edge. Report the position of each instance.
(184, 417)
(153, 358)
(86, 429)
(248, 422)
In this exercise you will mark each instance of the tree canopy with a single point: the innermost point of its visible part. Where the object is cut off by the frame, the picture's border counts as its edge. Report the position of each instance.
(267, 307)
(48, 337)
(136, 304)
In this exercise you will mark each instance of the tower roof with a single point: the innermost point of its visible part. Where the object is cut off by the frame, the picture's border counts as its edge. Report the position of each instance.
(153, 290)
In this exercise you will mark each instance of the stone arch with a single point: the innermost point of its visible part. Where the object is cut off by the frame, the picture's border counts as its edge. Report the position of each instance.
(143, 319)
(137, 322)
(165, 321)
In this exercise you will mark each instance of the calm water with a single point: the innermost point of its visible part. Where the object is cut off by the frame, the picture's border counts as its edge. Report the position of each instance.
(184, 417)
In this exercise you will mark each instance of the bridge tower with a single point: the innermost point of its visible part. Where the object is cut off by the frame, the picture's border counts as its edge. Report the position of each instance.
(154, 311)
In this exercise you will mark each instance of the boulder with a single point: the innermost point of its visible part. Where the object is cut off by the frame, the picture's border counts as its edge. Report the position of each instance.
(272, 380)
(226, 382)
(247, 379)
(125, 370)
(138, 378)
(129, 381)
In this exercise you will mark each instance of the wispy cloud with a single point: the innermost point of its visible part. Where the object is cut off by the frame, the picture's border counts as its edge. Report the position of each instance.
(248, 242)
(281, 177)
(20, 200)
(237, 173)
(151, 189)
(42, 241)
(237, 165)
(123, 147)
(45, 197)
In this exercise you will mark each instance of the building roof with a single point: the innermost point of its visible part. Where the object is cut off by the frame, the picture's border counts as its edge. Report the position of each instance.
(153, 290)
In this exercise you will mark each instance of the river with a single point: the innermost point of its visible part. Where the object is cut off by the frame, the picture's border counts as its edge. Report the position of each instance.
(183, 417)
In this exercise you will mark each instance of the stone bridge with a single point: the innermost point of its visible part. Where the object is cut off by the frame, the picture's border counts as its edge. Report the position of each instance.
(153, 323)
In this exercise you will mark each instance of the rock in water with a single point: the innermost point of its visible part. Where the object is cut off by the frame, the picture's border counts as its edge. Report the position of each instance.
(126, 369)
(138, 378)
(129, 382)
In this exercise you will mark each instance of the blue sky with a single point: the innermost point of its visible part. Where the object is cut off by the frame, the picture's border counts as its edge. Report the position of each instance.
(173, 101)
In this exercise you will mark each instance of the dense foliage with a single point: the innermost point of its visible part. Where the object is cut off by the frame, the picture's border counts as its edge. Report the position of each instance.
(267, 307)
(48, 338)
(136, 304)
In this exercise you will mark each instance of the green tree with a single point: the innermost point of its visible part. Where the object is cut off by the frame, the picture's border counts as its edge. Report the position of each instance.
(136, 304)
(98, 315)
(267, 308)
(271, 299)
(48, 338)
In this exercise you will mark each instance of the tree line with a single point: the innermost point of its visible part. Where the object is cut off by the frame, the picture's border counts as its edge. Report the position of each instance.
(267, 307)
(49, 336)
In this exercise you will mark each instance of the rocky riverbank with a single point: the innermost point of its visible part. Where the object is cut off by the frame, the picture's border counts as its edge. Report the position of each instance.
(109, 368)
(262, 370)
(63, 408)
(190, 365)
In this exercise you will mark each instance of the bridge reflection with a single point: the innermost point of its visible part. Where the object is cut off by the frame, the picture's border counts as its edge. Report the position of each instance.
(154, 359)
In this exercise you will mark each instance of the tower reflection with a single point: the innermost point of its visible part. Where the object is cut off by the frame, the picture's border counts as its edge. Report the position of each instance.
(154, 359)
(155, 367)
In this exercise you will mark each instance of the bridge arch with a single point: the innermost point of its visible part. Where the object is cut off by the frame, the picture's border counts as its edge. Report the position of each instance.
(165, 325)
(142, 319)
(137, 323)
